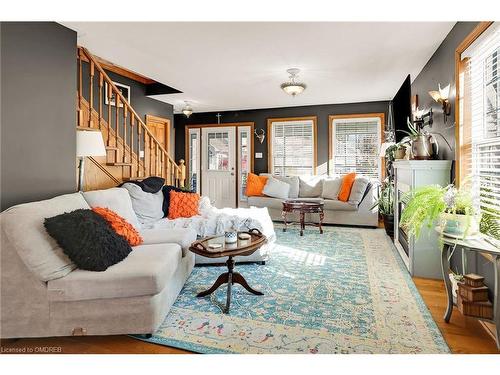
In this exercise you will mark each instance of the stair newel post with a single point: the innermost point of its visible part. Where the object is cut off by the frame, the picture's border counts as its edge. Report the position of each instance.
(80, 95)
(117, 119)
(91, 91)
(139, 149)
(145, 164)
(182, 173)
(150, 155)
(108, 94)
(132, 118)
(156, 159)
(167, 168)
(124, 156)
(162, 164)
(101, 82)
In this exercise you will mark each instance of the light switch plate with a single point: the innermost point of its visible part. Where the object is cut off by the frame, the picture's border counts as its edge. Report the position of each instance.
(258, 155)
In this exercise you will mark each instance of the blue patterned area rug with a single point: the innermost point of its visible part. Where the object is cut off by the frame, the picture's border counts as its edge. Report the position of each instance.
(345, 291)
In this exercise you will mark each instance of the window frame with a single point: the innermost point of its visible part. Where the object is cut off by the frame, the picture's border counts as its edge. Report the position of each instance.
(270, 121)
(331, 118)
(459, 126)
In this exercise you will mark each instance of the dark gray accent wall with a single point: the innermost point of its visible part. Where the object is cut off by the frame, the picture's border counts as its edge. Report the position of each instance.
(38, 93)
(260, 116)
(441, 69)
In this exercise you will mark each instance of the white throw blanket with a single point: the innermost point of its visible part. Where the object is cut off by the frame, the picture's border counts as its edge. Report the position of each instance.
(213, 221)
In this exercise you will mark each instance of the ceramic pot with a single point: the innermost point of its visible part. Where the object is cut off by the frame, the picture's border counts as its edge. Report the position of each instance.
(389, 225)
(459, 225)
(400, 153)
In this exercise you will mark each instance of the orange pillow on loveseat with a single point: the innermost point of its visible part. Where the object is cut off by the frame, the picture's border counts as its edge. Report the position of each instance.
(346, 186)
(183, 204)
(255, 184)
(119, 225)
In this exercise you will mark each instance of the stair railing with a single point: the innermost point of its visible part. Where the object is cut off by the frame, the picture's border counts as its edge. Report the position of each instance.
(135, 148)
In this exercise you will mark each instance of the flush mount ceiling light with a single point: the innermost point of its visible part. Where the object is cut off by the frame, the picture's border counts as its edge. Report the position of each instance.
(187, 110)
(292, 87)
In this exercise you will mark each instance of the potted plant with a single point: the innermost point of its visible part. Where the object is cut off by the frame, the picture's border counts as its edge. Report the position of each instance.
(385, 204)
(448, 206)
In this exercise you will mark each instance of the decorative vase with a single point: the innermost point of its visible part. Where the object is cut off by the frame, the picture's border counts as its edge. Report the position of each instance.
(459, 225)
(389, 225)
(421, 147)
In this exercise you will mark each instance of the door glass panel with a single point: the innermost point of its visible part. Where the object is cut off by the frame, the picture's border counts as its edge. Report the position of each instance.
(244, 162)
(194, 162)
(218, 151)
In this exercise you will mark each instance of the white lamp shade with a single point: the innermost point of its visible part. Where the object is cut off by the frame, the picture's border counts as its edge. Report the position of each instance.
(383, 148)
(89, 143)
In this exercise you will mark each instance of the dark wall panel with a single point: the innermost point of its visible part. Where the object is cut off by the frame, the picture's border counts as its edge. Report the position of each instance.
(38, 88)
(260, 116)
(441, 69)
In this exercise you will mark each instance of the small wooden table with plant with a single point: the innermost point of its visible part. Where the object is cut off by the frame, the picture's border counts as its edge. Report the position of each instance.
(458, 225)
(489, 251)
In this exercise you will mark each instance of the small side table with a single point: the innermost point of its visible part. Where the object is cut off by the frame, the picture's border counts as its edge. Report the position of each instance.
(303, 207)
(478, 245)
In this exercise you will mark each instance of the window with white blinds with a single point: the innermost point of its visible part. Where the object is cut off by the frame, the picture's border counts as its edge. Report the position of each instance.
(480, 119)
(355, 144)
(292, 147)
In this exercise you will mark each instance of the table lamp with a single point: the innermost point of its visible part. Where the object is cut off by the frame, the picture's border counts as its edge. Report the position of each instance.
(88, 143)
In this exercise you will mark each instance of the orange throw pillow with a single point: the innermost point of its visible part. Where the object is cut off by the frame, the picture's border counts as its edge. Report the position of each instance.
(120, 225)
(183, 204)
(346, 186)
(255, 184)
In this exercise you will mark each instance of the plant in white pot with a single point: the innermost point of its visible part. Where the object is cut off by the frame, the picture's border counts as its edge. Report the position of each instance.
(450, 208)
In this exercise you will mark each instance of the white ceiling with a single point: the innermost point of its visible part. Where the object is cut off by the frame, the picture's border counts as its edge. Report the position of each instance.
(228, 66)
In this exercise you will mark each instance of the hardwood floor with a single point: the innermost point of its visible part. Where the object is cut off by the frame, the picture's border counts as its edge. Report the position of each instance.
(463, 334)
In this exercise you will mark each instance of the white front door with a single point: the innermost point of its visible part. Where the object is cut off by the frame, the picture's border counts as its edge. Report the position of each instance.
(218, 166)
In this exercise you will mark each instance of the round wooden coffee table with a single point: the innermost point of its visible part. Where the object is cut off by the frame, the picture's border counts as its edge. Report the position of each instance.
(303, 207)
(240, 248)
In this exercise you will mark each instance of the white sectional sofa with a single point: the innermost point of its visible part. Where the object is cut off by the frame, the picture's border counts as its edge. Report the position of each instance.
(336, 212)
(43, 294)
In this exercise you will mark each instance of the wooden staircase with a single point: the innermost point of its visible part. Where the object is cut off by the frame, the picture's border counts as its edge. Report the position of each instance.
(132, 151)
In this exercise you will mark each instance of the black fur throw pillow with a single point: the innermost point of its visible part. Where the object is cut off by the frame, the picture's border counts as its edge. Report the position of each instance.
(87, 239)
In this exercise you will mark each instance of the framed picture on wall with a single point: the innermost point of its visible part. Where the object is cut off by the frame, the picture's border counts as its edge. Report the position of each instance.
(124, 90)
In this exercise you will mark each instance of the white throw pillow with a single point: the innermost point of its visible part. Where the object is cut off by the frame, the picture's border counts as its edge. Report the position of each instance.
(331, 188)
(358, 190)
(311, 187)
(117, 200)
(147, 206)
(293, 181)
(22, 226)
(276, 189)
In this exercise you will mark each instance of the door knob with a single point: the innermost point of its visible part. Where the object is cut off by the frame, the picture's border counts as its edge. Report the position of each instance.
(232, 174)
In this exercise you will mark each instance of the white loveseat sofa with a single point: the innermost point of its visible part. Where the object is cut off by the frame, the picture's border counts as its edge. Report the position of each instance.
(335, 212)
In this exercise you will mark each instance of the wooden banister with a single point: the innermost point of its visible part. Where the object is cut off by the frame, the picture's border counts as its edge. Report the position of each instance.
(119, 97)
(155, 160)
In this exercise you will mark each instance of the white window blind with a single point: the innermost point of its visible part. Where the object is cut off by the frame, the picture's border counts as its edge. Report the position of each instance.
(292, 147)
(355, 146)
(481, 82)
